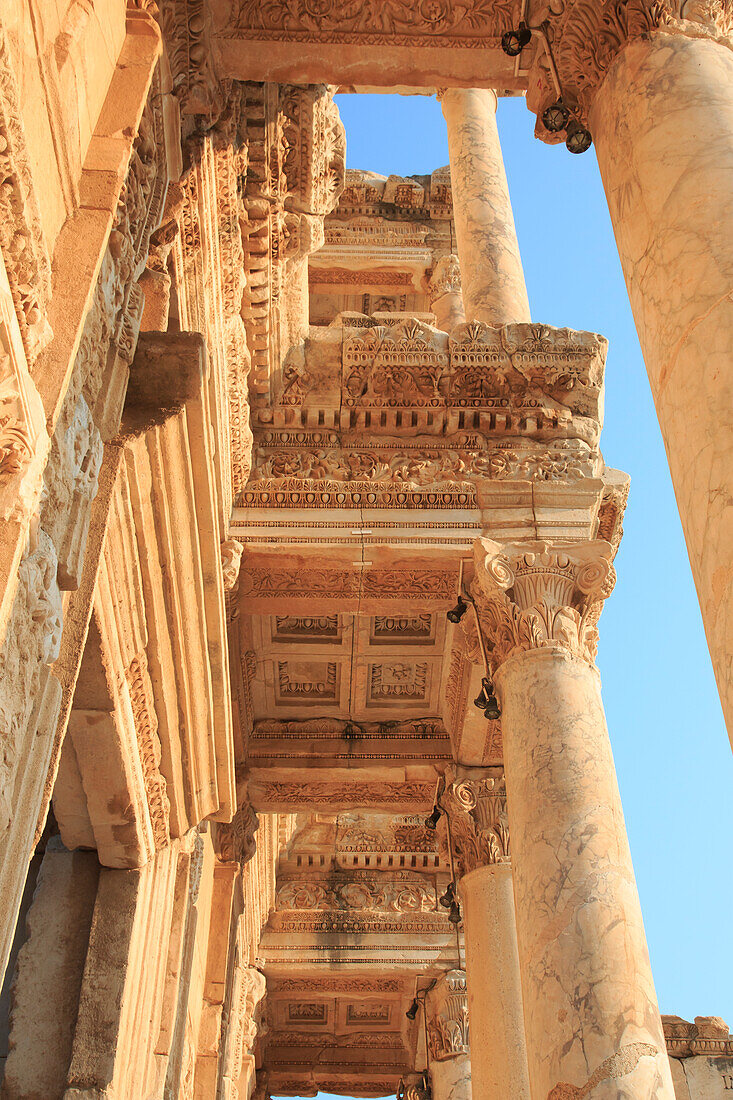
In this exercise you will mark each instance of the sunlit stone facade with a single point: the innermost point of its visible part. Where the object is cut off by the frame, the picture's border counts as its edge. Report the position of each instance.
(289, 477)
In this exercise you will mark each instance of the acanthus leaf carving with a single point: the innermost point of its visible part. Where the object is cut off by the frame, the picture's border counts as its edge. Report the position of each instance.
(447, 1017)
(477, 811)
(588, 35)
(542, 595)
(235, 842)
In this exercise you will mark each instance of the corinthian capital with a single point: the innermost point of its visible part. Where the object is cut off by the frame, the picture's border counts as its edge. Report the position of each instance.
(446, 277)
(475, 802)
(586, 36)
(447, 1016)
(538, 595)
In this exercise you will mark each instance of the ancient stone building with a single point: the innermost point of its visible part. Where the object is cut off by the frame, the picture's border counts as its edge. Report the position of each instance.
(306, 535)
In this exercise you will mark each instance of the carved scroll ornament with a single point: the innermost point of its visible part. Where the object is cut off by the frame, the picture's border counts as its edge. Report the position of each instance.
(448, 1033)
(588, 35)
(235, 843)
(541, 595)
(374, 22)
(479, 827)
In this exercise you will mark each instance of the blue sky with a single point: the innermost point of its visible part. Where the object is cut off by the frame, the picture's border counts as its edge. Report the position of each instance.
(673, 757)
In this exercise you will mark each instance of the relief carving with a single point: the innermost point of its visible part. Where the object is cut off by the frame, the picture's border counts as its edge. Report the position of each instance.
(373, 895)
(540, 595)
(235, 842)
(445, 279)
(376, 22)
(479, 827)
(447, 1008)
(22, 241)
(32, 641)
(587, 36)
(146, 728)
(231, 562)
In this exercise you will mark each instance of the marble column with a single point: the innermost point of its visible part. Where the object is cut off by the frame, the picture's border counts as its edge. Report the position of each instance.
(662, 122)
(475, 802)
(446, 1006)
(491, 268)
(592, 1023)
(444, 292)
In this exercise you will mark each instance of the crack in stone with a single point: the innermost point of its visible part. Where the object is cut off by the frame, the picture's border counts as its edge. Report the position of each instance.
(618, 1065)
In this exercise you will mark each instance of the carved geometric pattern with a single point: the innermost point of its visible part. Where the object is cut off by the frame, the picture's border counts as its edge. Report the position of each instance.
(294, 628)
(402, 629)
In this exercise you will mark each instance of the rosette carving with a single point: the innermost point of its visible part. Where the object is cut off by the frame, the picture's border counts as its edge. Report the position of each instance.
(541, 595)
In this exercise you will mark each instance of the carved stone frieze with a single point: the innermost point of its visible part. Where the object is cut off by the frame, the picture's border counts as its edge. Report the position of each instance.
(479, 828)
(522, 403)
(540, 595)
(32, 642)
(320, 793)
(389, 584)
(447, 1017)
(22, 241)
(365, 895)
(23, 437)
(372, 22)
(362, 468)
(146, 728)
(71, 478)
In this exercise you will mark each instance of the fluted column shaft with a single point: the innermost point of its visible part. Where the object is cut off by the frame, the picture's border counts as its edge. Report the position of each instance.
(475, 803)
(592, 1022)
(494, 290)
(662, 121)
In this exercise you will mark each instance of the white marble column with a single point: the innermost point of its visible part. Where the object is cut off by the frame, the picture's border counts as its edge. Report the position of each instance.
(662, 122)
(494, 290)
(592, 1023)
(446, 1006)
(475, 802)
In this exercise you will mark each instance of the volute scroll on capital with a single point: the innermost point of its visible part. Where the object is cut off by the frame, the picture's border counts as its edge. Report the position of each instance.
(447, 1017)
(445, 277)
(586, 36)
(540, 595)
(476, 806)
